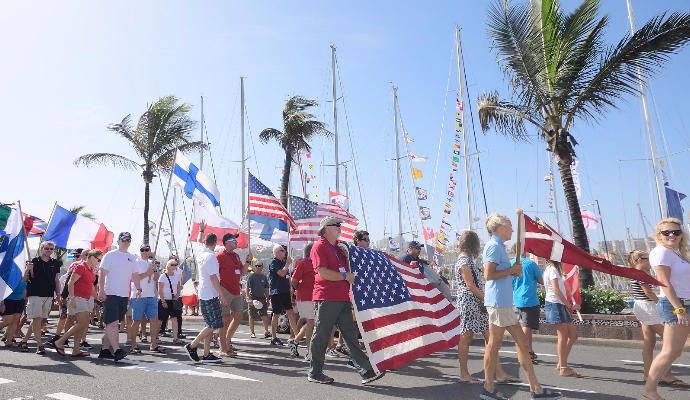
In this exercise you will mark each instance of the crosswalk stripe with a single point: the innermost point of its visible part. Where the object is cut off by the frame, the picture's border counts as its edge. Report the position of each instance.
(65, 396)
(3, 380)
(640, 362)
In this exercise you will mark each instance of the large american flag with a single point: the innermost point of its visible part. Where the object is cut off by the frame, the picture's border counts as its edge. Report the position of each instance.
(401, 315)
(264, 204)
(308, 214)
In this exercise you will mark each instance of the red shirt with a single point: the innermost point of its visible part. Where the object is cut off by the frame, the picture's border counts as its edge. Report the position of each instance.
(304, 274)
(326, 255)
(230, 271)
(83, 287)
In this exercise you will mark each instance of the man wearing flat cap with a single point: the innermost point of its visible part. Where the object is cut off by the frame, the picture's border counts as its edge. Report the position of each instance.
(332, 305)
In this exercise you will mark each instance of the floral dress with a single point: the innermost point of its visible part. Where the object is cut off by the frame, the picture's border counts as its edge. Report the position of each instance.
(472, 315)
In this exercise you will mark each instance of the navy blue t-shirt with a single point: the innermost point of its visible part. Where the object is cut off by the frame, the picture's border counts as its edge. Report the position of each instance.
(276, 283)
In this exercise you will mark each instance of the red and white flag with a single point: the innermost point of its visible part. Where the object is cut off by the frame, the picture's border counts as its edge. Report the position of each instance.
(572, 279)
(541, 240)
(590, 219)
(401, 315)
(429, 233)
(215, 223)
(339, 199)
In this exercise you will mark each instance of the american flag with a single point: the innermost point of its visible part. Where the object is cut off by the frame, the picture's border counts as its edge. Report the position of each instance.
(308, 214)
(401, 315)
(264, 205)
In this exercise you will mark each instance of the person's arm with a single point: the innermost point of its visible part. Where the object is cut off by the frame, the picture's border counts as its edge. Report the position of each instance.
(649, 292)
(330, 275)
(101, 284)
(161, 293)
(246, 291)
(58, 288)
(202, 228)
(284, 271)
(491, 274)
(179, 289)
(469, 281)
(216, 284)
(70, 286)
(559, 295)
(296, 276)
(247, 263)
(663, 275)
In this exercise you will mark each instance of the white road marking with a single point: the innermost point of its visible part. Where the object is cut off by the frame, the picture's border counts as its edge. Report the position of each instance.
(174, 367)
(539, 354)
(242, 354)
(3, 380)
(65, 396)
(523, 384)
(640, 362)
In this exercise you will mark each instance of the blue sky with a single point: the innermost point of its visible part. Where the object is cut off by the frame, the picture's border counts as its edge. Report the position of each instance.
(71, 68)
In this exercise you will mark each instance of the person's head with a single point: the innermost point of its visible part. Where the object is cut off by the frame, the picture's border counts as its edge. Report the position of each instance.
(279, 251)
(171, 266)
(329, 228)
(78, 254)
(307, 250)
(230, 241)
(124, 239)
(499, 225)
(259, 267)
(93, 257)
(669, 233)
(173, 257)
(468, 243)
(555, 264)
(145, 251)
(211, 240)
(361, 239)
(639, 259)
(414, 248)
(47, 249)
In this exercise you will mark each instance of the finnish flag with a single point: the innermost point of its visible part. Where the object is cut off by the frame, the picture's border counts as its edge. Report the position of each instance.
(193, 182)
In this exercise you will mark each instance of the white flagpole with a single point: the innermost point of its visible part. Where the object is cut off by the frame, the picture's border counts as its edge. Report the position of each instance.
(165, 203)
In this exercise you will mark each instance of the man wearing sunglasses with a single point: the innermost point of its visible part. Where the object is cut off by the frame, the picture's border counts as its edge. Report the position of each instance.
(231, 271)
(42, 288)
(279, 288)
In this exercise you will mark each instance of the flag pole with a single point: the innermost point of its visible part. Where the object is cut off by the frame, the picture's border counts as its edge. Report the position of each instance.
(26, 239)
(40, 241)
(165, 203)
(249, 222)
(518, 242)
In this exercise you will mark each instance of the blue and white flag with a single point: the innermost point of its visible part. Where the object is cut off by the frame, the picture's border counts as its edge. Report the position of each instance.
(194, 183)
(12, 253)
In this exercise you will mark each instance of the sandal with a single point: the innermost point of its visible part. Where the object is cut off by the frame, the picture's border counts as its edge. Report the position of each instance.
(158, 349)
(495, 395)
(568, 372)
(508, 380)
(678, 383)
(24, 347)
(134, 350)
(470, 381)
(60, 350)
(546, 394)
(80, 354)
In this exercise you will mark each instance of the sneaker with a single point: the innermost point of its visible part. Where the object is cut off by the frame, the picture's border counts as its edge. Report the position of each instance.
(293, 348)
(371, 376)
(105, 354)
(307, 357)
(332, 353)
(191, 353)
(351, 364)
(342, 350)
(182, 336)
(320, 378)
(211, 358)
(85, 345)
(267, 335)
(276, 342)
(119, 354)
(41, 350)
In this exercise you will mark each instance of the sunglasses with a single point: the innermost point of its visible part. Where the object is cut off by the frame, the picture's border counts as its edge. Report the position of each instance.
(145, 249)
(675, 232)
(99, 259)
(337, 225)
(366, 239)
(174, 265)
(126, 240)
(48, 248)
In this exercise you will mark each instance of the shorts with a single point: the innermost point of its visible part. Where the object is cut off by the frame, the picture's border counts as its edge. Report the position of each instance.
(665, 310)
(235, 304)
(211, 311)
(258, 312)
(556, 313)
(114, 308)
(305, 309)
(170, 311)
(529, 317)
(82, 305)
(502, 316)
(14, 307)
(645, 311)
(144, 307)
(281, 302)
(39, 307)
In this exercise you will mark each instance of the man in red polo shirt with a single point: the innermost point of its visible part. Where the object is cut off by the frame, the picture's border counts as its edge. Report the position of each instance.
(331, 298)
(231, 270)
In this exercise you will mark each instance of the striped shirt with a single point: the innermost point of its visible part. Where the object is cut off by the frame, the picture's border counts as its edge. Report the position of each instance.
(637, 292)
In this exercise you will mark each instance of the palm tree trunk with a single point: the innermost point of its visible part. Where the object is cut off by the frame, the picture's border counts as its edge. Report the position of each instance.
(579, 233)
(147, 194)
(285, 183)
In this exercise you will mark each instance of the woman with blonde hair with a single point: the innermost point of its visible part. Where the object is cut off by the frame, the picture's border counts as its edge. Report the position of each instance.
(671, 261)
(644, 309)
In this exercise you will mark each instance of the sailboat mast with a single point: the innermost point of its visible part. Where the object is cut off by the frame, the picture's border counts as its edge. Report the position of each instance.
(242, 161)
(648, 123)
(201, 149)
(644, 227)
(397, 163)
(458, 50)
(335, 121)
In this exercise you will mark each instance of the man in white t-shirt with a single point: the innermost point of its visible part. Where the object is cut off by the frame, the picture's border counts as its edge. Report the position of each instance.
(145, 305)
(118, 269)
(210, 298)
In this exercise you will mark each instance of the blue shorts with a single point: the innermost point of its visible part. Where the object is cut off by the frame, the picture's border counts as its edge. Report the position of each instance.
(211, 311)
(665, 310)
(145, 306)
(556, 313)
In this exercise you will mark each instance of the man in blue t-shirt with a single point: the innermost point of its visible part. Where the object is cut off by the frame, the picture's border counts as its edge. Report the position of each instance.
(526, 300)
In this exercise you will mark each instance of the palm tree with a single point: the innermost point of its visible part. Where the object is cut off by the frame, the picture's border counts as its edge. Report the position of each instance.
(299, 126)
(561, 71)
(162, 129)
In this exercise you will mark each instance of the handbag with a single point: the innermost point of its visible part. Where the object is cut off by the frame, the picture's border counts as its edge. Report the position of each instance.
(176, 304)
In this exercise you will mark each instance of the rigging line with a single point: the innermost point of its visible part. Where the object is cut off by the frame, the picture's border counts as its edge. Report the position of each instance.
(443, 127)
(213, 168)
(663, 136)
(620, 180)
(349, 135)
(167, 211)
(251, 140)
(474, 134)
(227, 137)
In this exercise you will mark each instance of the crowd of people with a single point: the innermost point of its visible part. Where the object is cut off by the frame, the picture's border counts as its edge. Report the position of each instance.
(124, 293)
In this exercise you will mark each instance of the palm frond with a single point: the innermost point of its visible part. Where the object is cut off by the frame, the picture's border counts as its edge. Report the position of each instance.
(507, 118)
(617, 72)
(116, 160)
(269, 134)
(123, 128)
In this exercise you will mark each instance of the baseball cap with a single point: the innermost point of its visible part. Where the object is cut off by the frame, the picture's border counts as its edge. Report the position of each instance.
(124, 236)
(329, 221)
(145, 247)
(77, 252)
(414, 245)
(229, 236)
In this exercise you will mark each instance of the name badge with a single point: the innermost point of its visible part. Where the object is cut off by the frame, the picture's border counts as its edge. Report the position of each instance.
(342, 269)
(237, 271)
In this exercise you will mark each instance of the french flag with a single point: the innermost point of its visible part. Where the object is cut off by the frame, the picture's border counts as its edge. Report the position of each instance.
(71, 231)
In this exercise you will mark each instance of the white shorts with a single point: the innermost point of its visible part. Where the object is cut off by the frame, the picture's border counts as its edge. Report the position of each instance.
(82, 305)
(305, 309)
(39, 307)
(645, 311)
(503, 316)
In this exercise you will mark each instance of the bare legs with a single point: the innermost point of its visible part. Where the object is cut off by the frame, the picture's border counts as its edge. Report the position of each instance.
(674, 340)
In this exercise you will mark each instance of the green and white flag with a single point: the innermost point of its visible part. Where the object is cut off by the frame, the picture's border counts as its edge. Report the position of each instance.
(12, 253)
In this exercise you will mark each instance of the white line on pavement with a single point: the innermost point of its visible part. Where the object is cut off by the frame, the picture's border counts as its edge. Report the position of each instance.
(640, 362)
(65, 396)
(539, 354)
(523, 384)
(174, 367)
(3, 380)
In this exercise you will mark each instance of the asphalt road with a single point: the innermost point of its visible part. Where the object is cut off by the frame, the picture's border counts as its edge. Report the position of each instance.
(265, 372)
